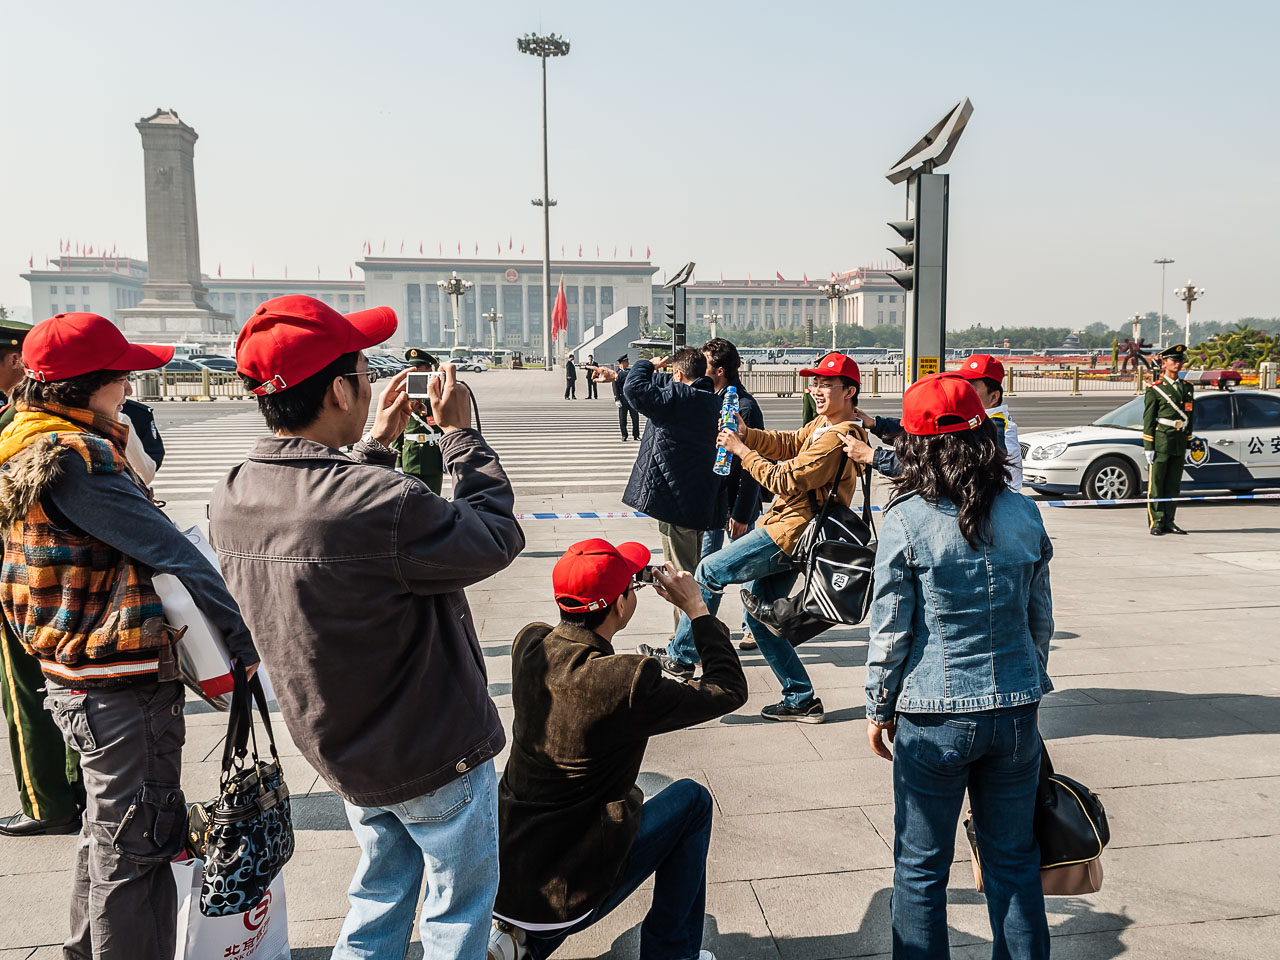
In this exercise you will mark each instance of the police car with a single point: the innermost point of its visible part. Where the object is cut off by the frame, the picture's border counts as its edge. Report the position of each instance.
(1236, 446)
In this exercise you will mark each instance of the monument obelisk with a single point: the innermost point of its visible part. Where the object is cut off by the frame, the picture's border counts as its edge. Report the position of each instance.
(174, 306)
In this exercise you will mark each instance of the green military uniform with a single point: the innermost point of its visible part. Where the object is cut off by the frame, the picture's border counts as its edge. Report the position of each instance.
(1168, 418)
(418, 448)
(46, 769)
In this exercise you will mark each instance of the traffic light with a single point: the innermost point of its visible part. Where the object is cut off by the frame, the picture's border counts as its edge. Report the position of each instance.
(924, 257)
(906, 229)
(675, 310)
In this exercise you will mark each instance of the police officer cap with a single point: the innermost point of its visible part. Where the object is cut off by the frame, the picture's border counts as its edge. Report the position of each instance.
(416, 355)
(622, 359)
(1177, 352)
(12, 333)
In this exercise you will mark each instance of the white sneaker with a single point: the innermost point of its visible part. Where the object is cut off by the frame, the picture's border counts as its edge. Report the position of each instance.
(504, 945)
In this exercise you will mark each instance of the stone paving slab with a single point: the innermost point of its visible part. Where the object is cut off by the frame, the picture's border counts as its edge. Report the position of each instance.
(1167, 660)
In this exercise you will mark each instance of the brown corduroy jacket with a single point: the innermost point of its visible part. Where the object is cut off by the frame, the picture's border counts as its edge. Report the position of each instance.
(792, 464)
(568, 804)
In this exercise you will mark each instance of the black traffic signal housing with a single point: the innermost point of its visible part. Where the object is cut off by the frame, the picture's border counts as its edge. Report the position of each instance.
(906, 229)
(675, 311)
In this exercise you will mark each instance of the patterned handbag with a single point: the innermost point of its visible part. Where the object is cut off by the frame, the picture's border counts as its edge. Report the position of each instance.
(247, 829)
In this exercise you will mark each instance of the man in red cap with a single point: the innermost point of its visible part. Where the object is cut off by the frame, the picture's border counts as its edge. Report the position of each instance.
(799, 467)
(83, 539)
(352, 576)
(986, 375)
(577, 836)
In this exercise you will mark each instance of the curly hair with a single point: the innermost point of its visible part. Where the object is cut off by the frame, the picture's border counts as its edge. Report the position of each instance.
(969, 468)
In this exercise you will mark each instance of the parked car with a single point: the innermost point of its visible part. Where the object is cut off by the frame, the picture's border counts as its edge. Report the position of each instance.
(183, 366)
(215, 362)
(1236, 446)
(470, 366)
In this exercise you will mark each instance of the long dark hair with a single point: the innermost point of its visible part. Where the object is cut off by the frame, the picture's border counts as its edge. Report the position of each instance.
(969, 468)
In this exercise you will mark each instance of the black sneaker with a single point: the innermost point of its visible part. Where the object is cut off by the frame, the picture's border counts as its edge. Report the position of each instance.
(812, 713)
(681, 671)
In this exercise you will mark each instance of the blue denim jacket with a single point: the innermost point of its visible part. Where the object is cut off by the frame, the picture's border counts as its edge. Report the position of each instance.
(953, 629)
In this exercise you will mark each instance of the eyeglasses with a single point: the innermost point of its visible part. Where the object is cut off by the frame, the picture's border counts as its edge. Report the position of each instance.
(370, 375)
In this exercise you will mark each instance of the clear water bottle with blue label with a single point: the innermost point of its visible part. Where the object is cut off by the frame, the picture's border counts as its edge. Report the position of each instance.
(728, 421)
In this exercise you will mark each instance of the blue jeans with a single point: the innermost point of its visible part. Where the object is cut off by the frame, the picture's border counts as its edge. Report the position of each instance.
(996, 754)
(670, 846)
(755, 560)
(713, 540)
(452, 834)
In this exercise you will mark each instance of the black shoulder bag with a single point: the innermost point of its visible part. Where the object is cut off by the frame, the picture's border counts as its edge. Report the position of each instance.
(245, 835)
(838, 552)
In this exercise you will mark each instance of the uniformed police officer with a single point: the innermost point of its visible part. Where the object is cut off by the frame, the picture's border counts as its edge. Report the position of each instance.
(47, 770)
(625, 410)
(418, 448)
(1168, 417)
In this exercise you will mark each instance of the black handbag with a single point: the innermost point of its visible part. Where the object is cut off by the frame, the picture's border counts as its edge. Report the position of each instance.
(838, 552)
(1070, 823)
(245, 834)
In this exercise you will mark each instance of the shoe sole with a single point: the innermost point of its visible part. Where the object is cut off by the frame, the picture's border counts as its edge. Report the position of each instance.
(807, 718)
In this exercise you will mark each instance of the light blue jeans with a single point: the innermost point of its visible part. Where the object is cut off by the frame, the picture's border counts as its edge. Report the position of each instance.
(713, 540)
(753, 559)
(452, 834)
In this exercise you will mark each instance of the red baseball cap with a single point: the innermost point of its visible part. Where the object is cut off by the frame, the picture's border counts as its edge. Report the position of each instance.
(834, 365)
(291, 338)
(594, 573)
(981, 366)
(70, 344)
(936, 396)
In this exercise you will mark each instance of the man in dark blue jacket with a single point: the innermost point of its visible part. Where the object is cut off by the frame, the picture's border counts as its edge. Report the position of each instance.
(672, 480)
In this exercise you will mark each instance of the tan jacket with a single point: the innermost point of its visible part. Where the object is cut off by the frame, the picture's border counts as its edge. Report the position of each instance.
(806, 460)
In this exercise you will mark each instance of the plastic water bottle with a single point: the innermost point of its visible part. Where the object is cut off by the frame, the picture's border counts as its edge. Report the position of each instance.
(728, 421)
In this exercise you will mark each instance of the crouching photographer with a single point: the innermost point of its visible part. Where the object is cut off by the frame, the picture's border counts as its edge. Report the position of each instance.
(577, 836)
(352, 575)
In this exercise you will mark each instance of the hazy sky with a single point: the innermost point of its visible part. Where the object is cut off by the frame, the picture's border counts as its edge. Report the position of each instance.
(748, 136)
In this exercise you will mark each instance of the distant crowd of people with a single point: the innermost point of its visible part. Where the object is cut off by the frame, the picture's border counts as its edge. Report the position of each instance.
(346, 577)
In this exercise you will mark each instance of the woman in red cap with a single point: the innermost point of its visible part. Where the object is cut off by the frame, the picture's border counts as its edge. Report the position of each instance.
(956, 669)
(82, 538)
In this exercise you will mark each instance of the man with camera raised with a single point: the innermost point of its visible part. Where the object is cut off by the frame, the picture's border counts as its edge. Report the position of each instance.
(577, 836)
(353, 575)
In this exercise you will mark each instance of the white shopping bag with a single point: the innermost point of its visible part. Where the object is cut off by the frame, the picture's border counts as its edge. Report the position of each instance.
(202, 655)
(258, 934)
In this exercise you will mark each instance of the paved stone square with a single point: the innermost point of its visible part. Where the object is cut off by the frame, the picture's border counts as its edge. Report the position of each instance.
(1167, 663)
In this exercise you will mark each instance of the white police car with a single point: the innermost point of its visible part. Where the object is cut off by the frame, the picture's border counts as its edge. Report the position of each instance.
(1236, 446)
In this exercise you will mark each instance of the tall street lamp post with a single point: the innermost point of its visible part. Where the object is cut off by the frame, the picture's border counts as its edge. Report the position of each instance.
(455, 287)
(1188, 295)
(543, 47)
(712, 318)
(833, 292)
(493, 316)
(1164, 265)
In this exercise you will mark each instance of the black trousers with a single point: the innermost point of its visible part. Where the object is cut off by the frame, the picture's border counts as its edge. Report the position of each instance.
(593, 389)
(622, 421)
(571, 389)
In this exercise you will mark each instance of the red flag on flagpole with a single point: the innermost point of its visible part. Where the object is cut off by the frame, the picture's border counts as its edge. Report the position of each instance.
(631, 251)
(419, 248)
(286, 270)
(559, 313)
(522, 249)
(597, 251)
(615, 251)
(219, 270)
(579, 249)
(351, 274)
(317, 271)
(31, 261)
(459, 248)
(384, 246)
(511, 241)
(562, 249)
(779, 276)
(477, 248)
(439, 248)
(806, 279)
(748, 278)
(402, 247)
(646, 253)
(499, 248)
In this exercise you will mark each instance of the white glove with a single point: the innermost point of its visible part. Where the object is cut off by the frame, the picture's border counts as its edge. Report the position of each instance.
(1150, 455)
(617, 403)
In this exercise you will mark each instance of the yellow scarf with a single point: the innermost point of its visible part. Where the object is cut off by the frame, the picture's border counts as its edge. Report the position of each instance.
(31, 423)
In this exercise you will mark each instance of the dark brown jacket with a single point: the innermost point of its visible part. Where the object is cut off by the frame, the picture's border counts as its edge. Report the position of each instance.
(352, 574)
(568, 804)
